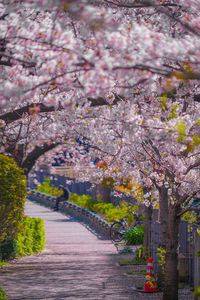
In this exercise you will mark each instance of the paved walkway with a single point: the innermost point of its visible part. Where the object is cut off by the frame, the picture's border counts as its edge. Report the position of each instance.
(75, 265)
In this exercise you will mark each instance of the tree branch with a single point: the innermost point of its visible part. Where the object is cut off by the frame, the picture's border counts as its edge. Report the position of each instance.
(142, 67)
(186, 198)
(183, 24)
(197, 164)
(18, 113)
(35, 154)
(31, 63)
(188, 209)
(144, 4)
(5, 63)
(3, 16)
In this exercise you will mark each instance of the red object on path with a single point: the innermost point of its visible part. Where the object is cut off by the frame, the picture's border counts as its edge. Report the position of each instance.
(150, 283)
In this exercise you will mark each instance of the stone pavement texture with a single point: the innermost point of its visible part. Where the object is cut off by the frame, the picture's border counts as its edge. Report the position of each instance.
(75, 265)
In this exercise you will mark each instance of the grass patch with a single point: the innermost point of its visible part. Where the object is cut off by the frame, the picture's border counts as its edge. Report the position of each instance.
(3, 263)
(125, 250)
(135, 261)
(184, 285)
(2, 294)
(137, 273)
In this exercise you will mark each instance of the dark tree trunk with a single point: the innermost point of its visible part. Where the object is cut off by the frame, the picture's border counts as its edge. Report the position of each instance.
(147, 227)
(32, 157)
(27, 163)
(103, 193)
(18, 113)
(163, 216)
(163, 220)
(147, 224)
(171, 275)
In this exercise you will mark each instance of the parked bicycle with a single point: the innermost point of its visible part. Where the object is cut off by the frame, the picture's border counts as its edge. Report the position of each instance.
(119, 227)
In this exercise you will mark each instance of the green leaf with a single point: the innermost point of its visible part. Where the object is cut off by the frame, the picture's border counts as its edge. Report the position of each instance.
(181, 128)
(172, 115)
(175, 107)
(181, 138)
(163, 100)
(196, 140)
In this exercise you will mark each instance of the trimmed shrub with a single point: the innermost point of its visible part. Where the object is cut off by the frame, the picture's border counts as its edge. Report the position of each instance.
(47, 188)
(115, 213)
(109, 211)
(102, 207)
(2, 294)
(12, 200)
(84, 201)
(135, 236)
(38, 235)
(9, 250)
(32, 238)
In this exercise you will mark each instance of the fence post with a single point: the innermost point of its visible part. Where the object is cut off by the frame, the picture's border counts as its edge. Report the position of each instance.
(196, 260)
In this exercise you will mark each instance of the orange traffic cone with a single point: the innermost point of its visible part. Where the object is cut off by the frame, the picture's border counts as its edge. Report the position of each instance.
(150, 283)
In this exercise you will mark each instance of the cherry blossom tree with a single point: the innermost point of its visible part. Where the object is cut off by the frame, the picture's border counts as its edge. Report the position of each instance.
(50, 48)
(158, 143)
(123, 74)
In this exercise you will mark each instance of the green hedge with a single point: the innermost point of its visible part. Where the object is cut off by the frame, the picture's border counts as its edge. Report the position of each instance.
(47, 188)
(109, 211)
(32, 239)
(135, 236)
(2, 294)
(84, 201)
(29, 241)
(12, 199)
(8, 251)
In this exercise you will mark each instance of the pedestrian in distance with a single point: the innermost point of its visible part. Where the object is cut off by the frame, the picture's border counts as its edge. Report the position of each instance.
(63, 197)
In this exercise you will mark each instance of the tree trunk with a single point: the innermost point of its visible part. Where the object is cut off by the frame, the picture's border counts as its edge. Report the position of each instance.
(148, 217)
(171, 275)
(163, 220)
(103, 193)
(163, 216)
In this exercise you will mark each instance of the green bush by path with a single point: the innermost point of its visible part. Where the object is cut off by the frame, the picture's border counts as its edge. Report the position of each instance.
(3, 263)
(135, 236)
(8, 250)
(109, 211)
(2, 294)
(197, 293)
(32, 238)
(12, 199)
(84, 201)
(47, 188)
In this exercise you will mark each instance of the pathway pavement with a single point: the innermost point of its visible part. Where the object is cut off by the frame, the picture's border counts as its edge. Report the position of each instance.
(75, 265)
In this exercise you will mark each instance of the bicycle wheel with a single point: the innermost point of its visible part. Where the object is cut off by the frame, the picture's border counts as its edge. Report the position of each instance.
(117, 230)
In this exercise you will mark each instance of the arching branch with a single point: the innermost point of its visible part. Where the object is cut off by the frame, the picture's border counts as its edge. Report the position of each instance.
(29, 109)
(144, 4)
(100, 101)
(35, 154)
(18, 113)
